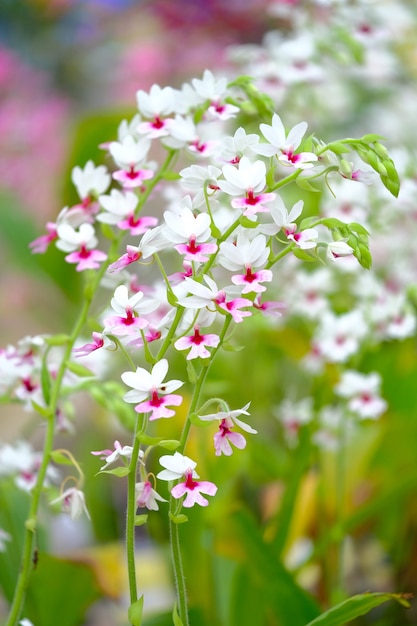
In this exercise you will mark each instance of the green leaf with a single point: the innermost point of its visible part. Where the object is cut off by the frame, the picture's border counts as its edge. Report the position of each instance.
(338, 147)
(178, 519)
(169, 444)
(358, 228)
(117, 471)
(285, 599)
(79, 370)
(215, 232)
(332, 222)
(303, 183)
(60, 458)
(134, 612)
(303, 255)
(356, 606)
(57, 340)
(140, 520)
(42, 410)
(177, 621)
(61, 587)
(247, 223)
(371, 138)
(309, 222)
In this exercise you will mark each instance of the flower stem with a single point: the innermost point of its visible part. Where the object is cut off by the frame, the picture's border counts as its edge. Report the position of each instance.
(31, 523)
(130, 513)
(173, 526)
(178, 567)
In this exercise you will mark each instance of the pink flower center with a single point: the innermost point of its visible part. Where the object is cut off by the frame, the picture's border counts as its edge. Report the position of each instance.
(249, 276)
(190, 483)
(132, 173)
(29, 385)
(293, 158)
(251, 198)
(83, 252)
(224, 430)
(133, 222)
(157, 123)
(197, 339)
(129, 319)
(155, 400)
(192, 248)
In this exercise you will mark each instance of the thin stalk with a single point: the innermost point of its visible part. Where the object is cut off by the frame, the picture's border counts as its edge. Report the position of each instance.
(173, 526)
(286, 180)
(131, 512)
(31, 523)
(32, 520)
(178, 567)
(280, 255)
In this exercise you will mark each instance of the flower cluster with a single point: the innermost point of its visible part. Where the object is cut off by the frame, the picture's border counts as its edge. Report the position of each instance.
(226, 222)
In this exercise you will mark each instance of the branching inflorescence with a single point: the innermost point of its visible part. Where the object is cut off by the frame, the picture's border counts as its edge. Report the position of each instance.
(223, 223)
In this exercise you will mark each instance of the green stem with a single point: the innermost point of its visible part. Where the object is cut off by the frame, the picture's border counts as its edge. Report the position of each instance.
(173, 526)
(32, 520)
(171, 333)
(286, 180)
(178, 567)
(205, 268)
(279, 256)
(131, 512)
(154, 181)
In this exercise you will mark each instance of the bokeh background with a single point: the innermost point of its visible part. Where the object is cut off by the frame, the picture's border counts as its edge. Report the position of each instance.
(69, 72)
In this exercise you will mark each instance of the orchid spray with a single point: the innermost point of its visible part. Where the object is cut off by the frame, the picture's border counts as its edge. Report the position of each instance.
(217, 162)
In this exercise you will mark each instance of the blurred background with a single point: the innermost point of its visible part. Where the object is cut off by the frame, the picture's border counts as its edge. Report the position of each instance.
(69, 72)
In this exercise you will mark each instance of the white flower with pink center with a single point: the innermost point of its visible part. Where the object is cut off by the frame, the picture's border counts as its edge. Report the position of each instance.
(119, 208)
(129, 155)
(362, 390)
(305, 239)
(241, 144)
(225, 435)
(178, 466)
(90, 182)
(119, 451)
(197, 344)
(189, 232)
(73, 502)
(250, 179)
(338, 249)
(199, 179)
(129, 310)
(100, 340)
(339, 337)
(285, 220)
(81, 245)
(155, 105)
(146, 496)
(151, 385)
(152, 241)
(215, 89)
(247, 254)
(204, 296)
(285, 145)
